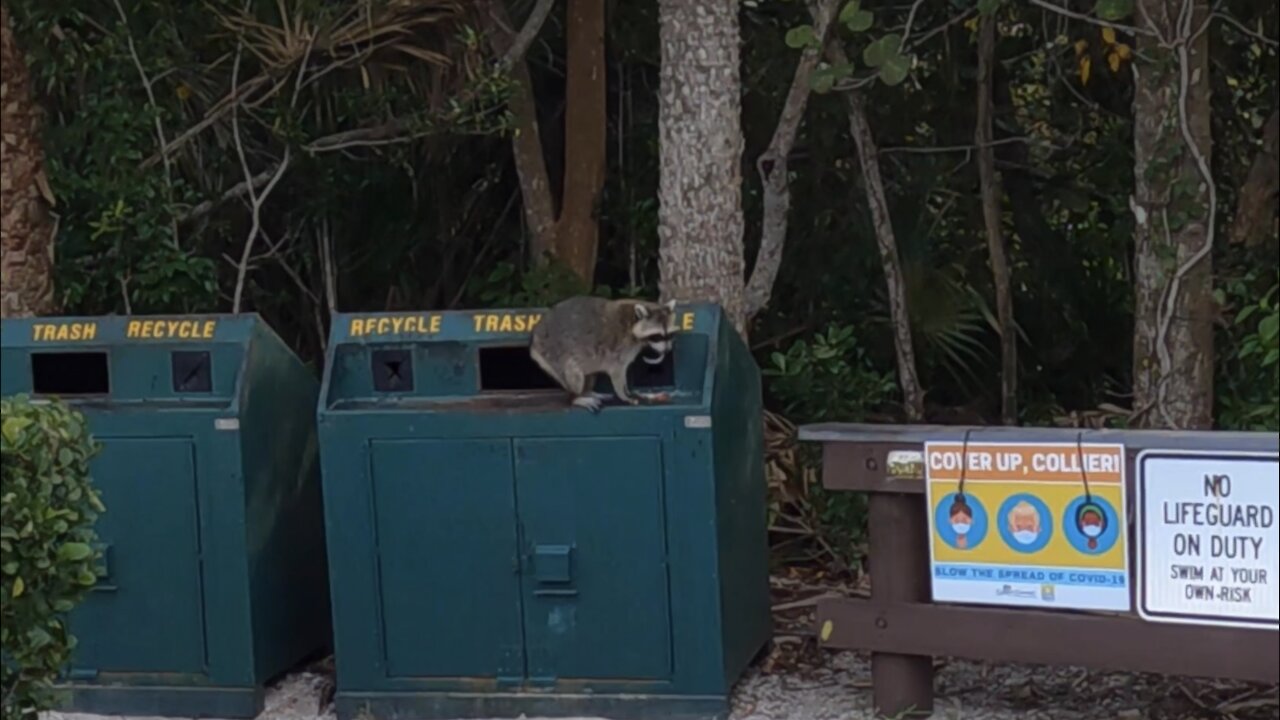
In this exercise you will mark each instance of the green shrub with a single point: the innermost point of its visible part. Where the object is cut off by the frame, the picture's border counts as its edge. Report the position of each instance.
(47, 511)
(828, 378)
(1248, 387)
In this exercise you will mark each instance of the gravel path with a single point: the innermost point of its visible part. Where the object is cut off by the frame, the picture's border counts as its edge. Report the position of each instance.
(838, 688)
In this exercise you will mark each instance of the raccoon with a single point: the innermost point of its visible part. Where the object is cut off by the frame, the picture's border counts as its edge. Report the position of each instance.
(583, 336)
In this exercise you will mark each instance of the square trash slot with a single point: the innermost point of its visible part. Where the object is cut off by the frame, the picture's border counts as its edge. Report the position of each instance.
(510, 369)
(192, 371)
(392, 371)
(70, 373)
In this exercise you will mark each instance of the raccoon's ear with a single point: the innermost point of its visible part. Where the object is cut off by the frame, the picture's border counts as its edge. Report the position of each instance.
(642, 312)
(671, 305)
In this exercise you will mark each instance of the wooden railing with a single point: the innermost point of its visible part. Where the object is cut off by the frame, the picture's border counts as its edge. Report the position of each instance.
(904, 630)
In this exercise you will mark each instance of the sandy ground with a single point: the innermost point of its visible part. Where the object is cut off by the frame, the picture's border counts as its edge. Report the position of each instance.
(839, 689)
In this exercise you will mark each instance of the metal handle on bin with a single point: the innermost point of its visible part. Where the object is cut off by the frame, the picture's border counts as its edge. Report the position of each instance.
(555, 592)
(553, 565)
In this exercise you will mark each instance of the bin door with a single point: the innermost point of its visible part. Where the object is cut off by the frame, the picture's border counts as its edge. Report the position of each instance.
(447, 557)
(147, 613)
(595, 572)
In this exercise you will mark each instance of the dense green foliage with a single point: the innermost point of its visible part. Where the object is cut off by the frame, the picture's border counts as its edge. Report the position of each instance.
(435, 221)
(47, 511)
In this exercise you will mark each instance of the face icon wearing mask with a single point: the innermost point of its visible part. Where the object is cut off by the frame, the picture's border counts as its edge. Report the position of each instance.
(961, 516)
(1091, 521)
(1024, 523)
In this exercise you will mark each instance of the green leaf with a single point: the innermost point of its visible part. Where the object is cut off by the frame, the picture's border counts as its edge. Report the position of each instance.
(86, 578)
(895, 69)
(986, 7)
(801, 36)
(876, 53)
(1113, 9)
(825, 77)
(12, 428)
(74, 551)
(1269, 328)
(861, 21)
(18, 586)
(851, 8)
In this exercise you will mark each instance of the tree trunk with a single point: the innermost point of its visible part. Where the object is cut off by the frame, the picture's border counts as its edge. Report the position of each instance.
(1175, 208)
(868, 158)
(700, 222)
(526, 144)
(26, 227)
(572, 237)
(585, 147)
(991, 214)
(531, 166)
(1256, 205)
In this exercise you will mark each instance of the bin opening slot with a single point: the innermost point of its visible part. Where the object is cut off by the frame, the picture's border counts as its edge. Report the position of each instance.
(644, 374)
(192, 371)
(392, 370)
(511, 368)
(70, 373)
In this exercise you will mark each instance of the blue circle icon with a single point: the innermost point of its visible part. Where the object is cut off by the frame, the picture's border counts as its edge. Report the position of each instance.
(1025, 523)
(961, 521)
(1091, 519)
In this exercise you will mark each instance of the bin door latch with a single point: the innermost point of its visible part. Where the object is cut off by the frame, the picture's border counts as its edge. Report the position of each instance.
(553, 565)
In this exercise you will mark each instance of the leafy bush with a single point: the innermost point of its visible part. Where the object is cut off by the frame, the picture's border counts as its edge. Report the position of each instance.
(1249, 374)
(828, 378)
(47, 510)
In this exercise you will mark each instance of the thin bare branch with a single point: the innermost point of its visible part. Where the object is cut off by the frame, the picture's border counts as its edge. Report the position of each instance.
(943, 149)
(241, 188)
(911, 18)
(992, 194)
(1244, 29)
(524, 39)
(256, 200)
(1128, 29)
(155, 110)
(772, 165)
(886, 241)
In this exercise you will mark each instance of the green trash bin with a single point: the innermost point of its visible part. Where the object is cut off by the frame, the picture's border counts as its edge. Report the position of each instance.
(494, 551)
(214, 537)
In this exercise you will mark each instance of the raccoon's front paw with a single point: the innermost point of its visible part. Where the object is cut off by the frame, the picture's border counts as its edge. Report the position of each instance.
(587, 401)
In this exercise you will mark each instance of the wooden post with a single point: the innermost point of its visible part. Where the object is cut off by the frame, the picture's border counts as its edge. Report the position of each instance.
(902, 684)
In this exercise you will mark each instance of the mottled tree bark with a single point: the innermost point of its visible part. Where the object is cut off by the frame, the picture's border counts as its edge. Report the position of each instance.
(26, 227)
(1174, 207)
(700, 141)
(992, 196)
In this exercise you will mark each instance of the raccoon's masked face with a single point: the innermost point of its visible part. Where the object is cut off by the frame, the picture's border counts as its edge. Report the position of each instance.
(655, 326)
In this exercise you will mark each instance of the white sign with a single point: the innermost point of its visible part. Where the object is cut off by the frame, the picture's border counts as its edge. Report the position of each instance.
(1208, 539)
